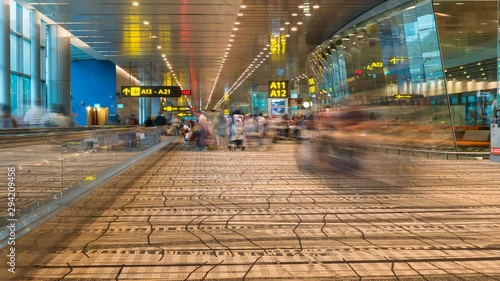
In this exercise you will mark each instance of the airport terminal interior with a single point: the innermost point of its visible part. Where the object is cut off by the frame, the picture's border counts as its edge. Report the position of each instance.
(249, 140)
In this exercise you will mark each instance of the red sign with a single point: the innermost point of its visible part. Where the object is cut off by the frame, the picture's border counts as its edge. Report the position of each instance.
(495, 150)
(186, 92)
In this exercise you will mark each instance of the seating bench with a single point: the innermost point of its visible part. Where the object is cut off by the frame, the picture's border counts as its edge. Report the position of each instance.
(475, 138)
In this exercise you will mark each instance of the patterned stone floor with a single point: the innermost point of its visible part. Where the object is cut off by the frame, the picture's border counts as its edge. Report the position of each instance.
(254, 215)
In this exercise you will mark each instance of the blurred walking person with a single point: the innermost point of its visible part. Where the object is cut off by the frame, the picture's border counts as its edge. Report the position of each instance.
(6, 119)
(56, 117)
(35, 114)
(237, 130)
(203, 130)
(219, 125)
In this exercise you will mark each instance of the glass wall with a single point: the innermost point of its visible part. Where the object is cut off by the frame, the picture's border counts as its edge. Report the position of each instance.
(468, 33)
(426, 66)
(20, 59)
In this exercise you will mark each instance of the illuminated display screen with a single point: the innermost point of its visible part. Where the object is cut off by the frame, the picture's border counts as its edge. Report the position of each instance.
(277, 110)
(277, 102)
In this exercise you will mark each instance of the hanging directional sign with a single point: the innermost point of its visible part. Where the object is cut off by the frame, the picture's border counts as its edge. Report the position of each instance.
(168, 108)
(151, 91)
(278, 89)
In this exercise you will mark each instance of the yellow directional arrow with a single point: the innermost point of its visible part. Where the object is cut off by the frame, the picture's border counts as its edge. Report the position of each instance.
(126, 91)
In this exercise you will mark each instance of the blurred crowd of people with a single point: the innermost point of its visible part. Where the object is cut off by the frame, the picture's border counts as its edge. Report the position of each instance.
(237, 131)
(36, 116)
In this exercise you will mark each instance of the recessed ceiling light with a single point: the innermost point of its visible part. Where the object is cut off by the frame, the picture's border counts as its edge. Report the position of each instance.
(240, 15)
(287, 23)
(299, 23)
(294, 14)
(159, 47)
(135, 3)
(235, 28)
(301, 6)
(237, 23)
(307, 15)
(282, 28)
(243, 6)
(294, 28)
(316, 7)
(146, 22)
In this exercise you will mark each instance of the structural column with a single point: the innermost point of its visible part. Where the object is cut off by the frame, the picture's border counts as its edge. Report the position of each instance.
(58, 67)
(5, 52)
(144, 109)
(35, 57)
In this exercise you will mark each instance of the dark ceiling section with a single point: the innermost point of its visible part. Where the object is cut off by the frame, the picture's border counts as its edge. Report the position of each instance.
(333, 16)
(195, 35)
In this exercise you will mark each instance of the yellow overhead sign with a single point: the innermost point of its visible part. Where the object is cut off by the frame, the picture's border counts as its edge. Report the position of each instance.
(312, 85)
(169, 108)
(277, 44)
(375, 64)
(151, 91)
(278, 89)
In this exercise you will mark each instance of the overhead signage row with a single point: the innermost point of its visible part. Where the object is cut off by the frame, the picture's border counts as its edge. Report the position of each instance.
(151, 91)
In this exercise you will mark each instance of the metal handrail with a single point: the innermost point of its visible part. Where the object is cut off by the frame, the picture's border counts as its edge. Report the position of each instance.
(23, 137)
(429, 152)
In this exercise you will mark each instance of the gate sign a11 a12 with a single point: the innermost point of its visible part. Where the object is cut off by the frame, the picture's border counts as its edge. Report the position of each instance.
(278, 89)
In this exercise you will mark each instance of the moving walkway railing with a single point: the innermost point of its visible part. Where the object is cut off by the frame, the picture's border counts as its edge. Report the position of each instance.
(40, 167)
